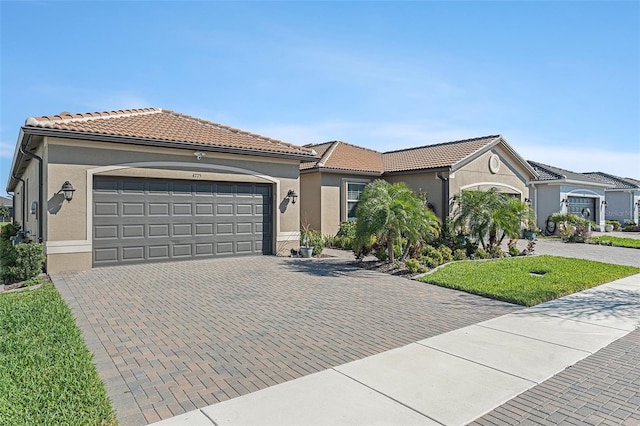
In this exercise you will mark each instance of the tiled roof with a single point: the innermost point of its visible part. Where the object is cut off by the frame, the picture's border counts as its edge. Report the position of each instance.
(340, 155)
(320, 150)
(546, 172)
(434, 156)
(615, 181)
(165, 125)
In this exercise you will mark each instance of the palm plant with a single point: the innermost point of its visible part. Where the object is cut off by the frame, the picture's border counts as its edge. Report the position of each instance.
(491, 216)
(390, 212)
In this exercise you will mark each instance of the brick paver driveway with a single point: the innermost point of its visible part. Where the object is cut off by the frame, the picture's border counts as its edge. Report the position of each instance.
(169, 338)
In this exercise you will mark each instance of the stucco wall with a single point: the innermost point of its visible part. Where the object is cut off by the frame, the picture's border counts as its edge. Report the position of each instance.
(422, 182)
(546, 202)
(310, 201)
(476, 175)
(69, 223)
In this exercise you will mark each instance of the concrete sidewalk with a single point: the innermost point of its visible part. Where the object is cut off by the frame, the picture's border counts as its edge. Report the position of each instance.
(450, 379)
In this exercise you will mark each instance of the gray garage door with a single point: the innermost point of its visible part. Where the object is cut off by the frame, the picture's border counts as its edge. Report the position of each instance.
(582, 206)
(144, 220)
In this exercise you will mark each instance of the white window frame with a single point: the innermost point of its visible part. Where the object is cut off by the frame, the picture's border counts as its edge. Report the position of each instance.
(345, 195)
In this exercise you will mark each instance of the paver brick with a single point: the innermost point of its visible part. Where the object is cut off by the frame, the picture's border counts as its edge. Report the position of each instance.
(220, 328)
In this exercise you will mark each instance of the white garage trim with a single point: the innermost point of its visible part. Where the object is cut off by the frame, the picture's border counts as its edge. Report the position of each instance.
(70, 246)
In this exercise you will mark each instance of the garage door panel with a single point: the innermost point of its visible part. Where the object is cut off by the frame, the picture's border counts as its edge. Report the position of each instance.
(135, 253)
(132, 209)
(133, 231)
(105, 209)
(141, 220)
(102, 232)
(159, 252)
(159, 209)
(204, 209)
(182, 250)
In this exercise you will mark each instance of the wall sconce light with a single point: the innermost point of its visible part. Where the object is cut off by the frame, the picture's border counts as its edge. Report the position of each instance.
(199, 154)
(604, 204)
(638, 203)
(564, 201)
(67, 190)
(292, 196)
(528, 201)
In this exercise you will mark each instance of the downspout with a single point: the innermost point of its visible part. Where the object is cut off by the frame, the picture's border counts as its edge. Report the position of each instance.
(22, 209)
(445, 198)
(40, 187)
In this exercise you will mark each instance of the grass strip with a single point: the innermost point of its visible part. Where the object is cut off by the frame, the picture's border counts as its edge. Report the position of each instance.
(527, 280)
(617, 241)
(46, 373)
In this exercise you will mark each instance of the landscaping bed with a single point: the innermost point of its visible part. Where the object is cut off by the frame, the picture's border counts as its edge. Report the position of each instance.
(608, 240)
(46, 372)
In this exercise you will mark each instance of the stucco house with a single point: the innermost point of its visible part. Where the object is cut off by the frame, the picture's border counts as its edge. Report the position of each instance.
(560, 190)
(8, 203)
(331, 186)
(622, 197)
(152, 185)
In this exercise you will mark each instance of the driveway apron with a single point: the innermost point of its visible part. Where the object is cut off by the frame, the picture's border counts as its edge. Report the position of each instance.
(169, 338)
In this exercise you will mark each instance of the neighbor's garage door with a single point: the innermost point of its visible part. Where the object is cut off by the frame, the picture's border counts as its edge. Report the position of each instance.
(142, 220)
(582, 206)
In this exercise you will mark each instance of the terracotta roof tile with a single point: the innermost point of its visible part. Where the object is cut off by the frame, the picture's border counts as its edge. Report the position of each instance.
(434, 156)
(165, 125)
(320, 149)
(340, 155)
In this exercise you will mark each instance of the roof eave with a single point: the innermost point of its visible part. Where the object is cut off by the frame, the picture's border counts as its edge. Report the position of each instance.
(102, 137)
(571, 182)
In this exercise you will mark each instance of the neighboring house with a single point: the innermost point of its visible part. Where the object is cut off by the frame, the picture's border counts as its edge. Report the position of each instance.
(331, 186)
(152, 185)
(8, 203)
(623, 197)
(560, 190)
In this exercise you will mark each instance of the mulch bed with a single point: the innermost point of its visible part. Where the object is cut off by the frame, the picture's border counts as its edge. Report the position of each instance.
(22, 285)
(396, 268)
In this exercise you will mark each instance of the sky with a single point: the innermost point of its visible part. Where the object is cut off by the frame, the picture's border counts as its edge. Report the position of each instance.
(560, 81)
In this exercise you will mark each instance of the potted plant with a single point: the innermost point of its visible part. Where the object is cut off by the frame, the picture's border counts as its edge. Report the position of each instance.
(531, 231)
(305, 238)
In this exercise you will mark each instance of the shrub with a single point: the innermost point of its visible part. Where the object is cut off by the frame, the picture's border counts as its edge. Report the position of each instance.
(27, 263)
(496, 252)
(9, 230)
(432, 253)
(460, 254)
(381, 253)
(616, 224)
(430, 262)
(513, 248)
(447, 254)
(481, 254)
(413, 266)
(631, 226)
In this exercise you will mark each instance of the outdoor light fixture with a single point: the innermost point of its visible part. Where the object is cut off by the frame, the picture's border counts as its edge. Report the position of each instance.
(564, 201)
(67, 190)
(528, 201)
(199, 154)
(292, 196)
(604, 203)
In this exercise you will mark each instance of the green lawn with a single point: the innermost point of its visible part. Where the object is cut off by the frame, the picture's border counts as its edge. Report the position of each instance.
(617, 241)
(46, 373)
(511, 279)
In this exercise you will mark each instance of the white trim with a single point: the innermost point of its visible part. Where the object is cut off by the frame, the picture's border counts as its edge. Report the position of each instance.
(184, 165)
(344, 190)
(70, 246)
(492, 184)
(286, 236)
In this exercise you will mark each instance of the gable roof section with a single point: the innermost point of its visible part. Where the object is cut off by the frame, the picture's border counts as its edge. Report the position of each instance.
(162, 125)
(436, 156)
(338, 155)
(550, 173)
(616, 182)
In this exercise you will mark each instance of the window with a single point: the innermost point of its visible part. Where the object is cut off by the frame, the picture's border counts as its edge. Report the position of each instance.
(354, 190)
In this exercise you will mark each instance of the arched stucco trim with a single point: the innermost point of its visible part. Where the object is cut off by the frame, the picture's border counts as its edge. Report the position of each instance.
(498, 184)
(178, 164)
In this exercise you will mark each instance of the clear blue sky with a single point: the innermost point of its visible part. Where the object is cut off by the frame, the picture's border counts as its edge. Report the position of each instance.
(559, 80)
